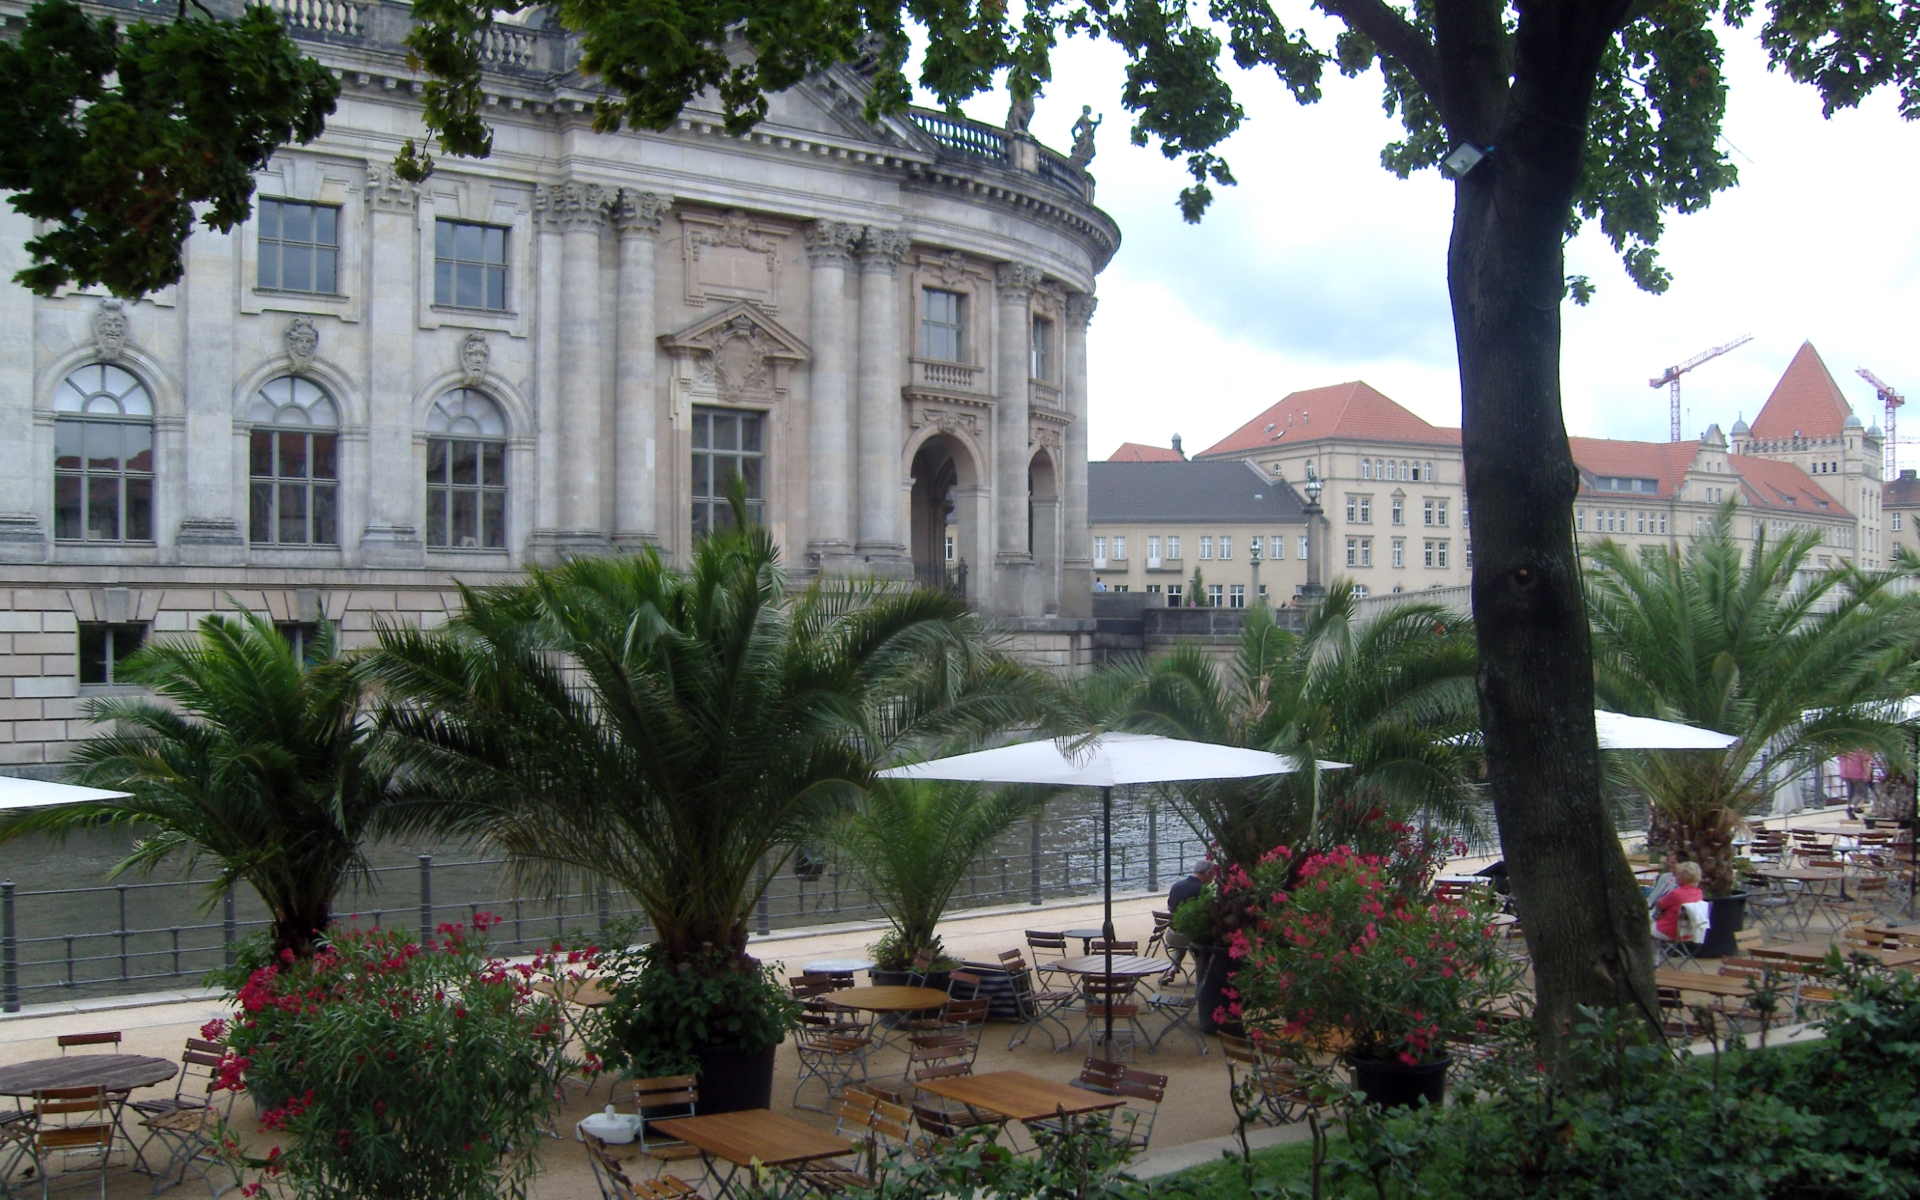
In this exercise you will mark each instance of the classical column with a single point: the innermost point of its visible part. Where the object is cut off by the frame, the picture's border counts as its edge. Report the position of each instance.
(391, 484)
(23, 535)
(580, 209)
(210, 531)
(637, 216)
(548, 371)
(1076, 567)
(830, 541)
(882, 520)
(1013, 558)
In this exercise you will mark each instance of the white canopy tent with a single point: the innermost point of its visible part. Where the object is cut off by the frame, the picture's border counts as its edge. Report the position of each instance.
(38, 793)
(1618, 731)
(1109, 761)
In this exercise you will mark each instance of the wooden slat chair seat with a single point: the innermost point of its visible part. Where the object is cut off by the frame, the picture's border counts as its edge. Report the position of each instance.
(1129, 949)
(832, 1047)
(1048, 947)
(664, 1098)
(1157, 941)
(67, 1121)
(1112, 995)
(192, 1137)
(1281, 1086)
(1036, 1006)
(68, 1041)
(615, 1184)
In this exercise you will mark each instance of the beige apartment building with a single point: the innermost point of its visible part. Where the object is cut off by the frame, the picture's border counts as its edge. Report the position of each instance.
(1393, 492)
(1161, 524)
(1900, 506)
(1395, 498)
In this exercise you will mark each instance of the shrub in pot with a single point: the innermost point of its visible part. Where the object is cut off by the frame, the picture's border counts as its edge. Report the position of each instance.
(1347, 954)
(416, 1070)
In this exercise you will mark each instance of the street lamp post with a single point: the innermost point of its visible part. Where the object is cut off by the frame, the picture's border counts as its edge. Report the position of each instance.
(1312, 590)
(1253, 561)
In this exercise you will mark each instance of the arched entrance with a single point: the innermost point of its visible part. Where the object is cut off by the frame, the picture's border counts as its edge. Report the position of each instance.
(940, 469)
(1043, 528)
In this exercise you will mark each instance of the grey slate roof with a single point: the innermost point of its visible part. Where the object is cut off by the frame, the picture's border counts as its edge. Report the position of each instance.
(1188, 491)
(1901, 492)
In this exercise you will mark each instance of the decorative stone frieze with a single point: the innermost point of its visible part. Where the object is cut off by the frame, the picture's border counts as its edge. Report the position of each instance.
(881, 249)
(832, 241)
(639, 213)
(1017, 279)
(573, 206)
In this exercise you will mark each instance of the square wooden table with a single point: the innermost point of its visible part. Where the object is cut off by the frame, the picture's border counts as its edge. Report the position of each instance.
(755, 1135)
(1699, 981)
(1019, 1096)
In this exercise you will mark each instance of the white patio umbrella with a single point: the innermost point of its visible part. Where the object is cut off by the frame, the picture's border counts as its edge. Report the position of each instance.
(1110, 761)
(38, 793)
(1620, 732)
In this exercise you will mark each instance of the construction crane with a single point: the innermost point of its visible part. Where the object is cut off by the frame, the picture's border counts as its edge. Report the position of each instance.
(1671, 379)
(1893, 400)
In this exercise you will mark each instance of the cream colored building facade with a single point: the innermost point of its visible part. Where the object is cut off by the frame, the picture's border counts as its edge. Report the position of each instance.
(1157, 526)
(371, 389)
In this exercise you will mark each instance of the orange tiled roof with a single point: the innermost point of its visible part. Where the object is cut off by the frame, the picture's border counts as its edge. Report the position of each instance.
(1139, 452)
(1806, 401)
(1353, 411)
(1764, 483)
(1783, 487)
(1665, 463)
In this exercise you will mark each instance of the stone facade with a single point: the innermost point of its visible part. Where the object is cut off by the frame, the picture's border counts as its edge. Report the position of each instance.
(373, 389)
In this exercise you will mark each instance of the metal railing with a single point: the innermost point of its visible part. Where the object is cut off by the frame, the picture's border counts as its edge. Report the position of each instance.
(137, 937)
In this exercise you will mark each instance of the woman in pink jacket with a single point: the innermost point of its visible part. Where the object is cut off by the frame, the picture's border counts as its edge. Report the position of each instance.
(1686, 890)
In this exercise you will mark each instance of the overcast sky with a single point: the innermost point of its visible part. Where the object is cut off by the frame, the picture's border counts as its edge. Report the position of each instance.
(1320, 267)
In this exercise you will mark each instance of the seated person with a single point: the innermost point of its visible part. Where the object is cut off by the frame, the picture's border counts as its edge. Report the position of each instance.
(1664, 882)
(1666, 910)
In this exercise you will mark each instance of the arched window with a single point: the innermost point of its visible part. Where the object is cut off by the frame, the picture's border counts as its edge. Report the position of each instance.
(466, 472)
(103, 457)
(1366, 468)
(295, 465)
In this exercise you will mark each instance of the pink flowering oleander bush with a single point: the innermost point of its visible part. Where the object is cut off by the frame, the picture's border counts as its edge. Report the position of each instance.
(1345, 950)
(401, 1069)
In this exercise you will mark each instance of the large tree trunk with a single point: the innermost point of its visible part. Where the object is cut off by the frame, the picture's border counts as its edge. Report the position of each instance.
(1585, 919)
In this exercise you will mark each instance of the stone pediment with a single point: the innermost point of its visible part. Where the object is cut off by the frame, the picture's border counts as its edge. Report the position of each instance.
(737, 354)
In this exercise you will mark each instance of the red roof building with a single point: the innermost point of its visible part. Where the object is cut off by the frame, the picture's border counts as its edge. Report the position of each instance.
(1346, 411)
(1140, 452)
(1806, 403)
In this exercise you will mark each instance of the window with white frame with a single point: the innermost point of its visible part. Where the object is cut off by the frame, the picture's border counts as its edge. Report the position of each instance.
(1173, 545)
(1226, 546)
(1440, 507)
(1306, 544)
(940, 325)
(728, 445)
(1399, 511)
(1100, 549)
(1206, 547)
(294, 465)
(1366, 468)
(102, 456)
(466, 472)
(1399, 552)
(1236, 595)
(1153, 547)
(1042, 348)
(1214, 593)
(299, 246)
(1120, 548)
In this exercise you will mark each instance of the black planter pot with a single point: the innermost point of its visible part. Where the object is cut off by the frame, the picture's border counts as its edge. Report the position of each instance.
(1728, 915)
(1394, 1084)
(1212, 972)
(937, 980)
(732, 1079)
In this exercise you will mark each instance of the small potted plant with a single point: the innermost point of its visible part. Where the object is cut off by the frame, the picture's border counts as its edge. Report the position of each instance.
(1349, 955)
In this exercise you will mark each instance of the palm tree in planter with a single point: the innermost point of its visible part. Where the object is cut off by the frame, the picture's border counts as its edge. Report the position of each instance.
(674, 732)
(1795, 660)
(259, 762)
(910, 845)
(1392, 695)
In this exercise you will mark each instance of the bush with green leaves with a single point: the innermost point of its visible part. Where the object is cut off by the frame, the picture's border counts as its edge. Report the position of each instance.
(404, 1069)
(662, 1010)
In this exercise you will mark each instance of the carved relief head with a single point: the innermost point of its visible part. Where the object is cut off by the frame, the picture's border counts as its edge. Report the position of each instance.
(110, 329)
(303, 341)
(474, 356)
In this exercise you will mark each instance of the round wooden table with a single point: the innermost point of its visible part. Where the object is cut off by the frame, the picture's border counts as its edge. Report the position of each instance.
(114, 1072)
(1123, 964)
(888, 999)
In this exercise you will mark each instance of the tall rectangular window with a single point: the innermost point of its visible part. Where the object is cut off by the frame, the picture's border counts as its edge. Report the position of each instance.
(1443, 555)
(1399, 552)
(303, 636)
(1366, 552)
(1429, 552)
(1237, 595)
(466, 494)
(727, 447)
(1353, 552)
(103, 480)
(1440, 506)
(294, 488)
(1306, 544)
(1153, 548)
(1173, 595)
(299, 246)
(1896, 522)
(1353, 510)
(1206, 548)
(940, 325)
(1399, 511)
(1226, 546)
(1366, 510)
(1426, 514)
(1277, 546)
(469, 265)
(1214, 592)
(1043, 349)
(1173, 546)
(103, 647)
(1100, 548)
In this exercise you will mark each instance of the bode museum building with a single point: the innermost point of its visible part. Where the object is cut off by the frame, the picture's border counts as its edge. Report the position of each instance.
(372, 389)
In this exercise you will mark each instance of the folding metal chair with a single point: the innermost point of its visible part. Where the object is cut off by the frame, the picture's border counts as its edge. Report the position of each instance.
(1036, 1007)
(832, 1047)
(662, 1099)
(68, 1041)
(1280, 1086)
(67, 1121)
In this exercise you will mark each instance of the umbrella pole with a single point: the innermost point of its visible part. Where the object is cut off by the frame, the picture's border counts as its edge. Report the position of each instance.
(1106, 925)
